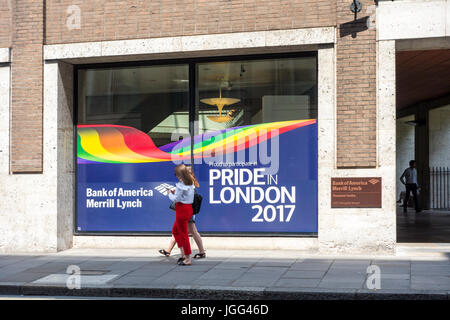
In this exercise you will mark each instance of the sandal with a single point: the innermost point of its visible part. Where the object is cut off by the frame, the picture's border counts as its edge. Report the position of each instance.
(200, 255)
(164, 252)
(181, 263)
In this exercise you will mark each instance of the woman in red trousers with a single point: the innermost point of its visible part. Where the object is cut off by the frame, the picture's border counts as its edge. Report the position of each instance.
(183, 195)
(192, 230)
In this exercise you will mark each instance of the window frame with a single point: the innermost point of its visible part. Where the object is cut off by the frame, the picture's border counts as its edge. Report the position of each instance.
(192, 65)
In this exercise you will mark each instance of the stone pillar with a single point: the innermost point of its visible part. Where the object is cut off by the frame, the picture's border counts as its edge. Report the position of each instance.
(66, 157)
(5, 83)
(28, 210)
(357, 230)
(59, 113)
(422, 152)
(36, 213)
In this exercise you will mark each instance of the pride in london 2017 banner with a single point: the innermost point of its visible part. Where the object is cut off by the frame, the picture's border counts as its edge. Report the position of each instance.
(254, 178)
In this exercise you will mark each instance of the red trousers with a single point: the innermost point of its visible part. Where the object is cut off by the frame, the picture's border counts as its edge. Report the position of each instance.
(183, 213)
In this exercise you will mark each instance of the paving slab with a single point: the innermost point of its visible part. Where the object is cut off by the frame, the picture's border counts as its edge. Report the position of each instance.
(312, 266)
(197, 268)
(270, 271)
(51, 267)
(303, 274)
(397, 263)
(253, 282)
(431, 270)
(18, 267)
(61, 279)
(395, 284)
(389, 269)
(337, 283)
(148, 272)
(24, 277)
(249, 280)
(228, 264)
(179, 277)
(351, 263)
(133, 280)
(310, 293)
(430, 282)
(395, 276)
(8, 260)
(213, 282)
(227, 274)
(149, 288)
(344, 273)
(297, 283)
(275, 263)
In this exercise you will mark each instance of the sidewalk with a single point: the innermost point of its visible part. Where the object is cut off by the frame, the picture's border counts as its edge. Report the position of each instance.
(415, 272)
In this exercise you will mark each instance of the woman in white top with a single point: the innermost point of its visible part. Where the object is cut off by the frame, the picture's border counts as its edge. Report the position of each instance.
(192, 230)
(183, 195)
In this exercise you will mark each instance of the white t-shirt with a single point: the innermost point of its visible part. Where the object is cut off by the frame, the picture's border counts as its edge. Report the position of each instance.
(183, 193)
(410, 175)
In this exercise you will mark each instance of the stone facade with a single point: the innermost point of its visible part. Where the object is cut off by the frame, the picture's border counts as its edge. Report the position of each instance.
(62, 22)
(36, 213)
(356, 95)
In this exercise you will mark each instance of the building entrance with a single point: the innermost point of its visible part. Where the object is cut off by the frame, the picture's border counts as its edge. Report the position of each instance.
(423, 134)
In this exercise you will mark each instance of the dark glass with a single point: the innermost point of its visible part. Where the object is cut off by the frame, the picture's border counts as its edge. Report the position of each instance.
(254, 92)
(153, 99)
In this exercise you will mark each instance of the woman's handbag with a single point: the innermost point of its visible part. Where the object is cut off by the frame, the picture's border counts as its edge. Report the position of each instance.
(197, 203)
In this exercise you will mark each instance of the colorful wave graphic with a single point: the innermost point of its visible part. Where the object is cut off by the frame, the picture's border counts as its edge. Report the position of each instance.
(121, 144)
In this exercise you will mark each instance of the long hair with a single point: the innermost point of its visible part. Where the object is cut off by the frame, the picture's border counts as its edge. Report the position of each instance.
(194, 179)
(182, 173)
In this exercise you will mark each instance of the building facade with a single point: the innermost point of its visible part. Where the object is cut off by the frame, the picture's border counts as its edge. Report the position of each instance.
(84, 84)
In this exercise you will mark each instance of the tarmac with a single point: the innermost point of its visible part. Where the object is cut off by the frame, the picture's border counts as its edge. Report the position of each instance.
(416, 271)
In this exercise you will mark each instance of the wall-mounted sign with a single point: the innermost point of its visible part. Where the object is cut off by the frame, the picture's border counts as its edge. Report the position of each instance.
(356, 192)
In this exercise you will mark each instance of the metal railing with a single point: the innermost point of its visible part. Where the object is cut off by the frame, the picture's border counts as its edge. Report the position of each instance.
(439, 178)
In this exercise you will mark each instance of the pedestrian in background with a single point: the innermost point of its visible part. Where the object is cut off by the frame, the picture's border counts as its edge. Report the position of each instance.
(409, 179)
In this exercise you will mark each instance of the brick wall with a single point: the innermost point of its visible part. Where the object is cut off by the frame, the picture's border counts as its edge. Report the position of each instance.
(356, 88)
(113, 20)
(5, 23)
(26, 86)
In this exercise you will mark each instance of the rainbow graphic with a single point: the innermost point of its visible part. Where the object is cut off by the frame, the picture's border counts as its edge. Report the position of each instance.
(121, 144)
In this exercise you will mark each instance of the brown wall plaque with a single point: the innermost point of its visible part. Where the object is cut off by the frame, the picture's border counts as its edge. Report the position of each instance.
(356, 192)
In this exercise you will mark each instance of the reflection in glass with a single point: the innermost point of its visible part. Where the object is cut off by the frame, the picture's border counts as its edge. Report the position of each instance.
(235, 93)
(153, 99)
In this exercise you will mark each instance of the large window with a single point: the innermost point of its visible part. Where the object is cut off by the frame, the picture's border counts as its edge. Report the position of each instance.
(152, 99)
(133, 128)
